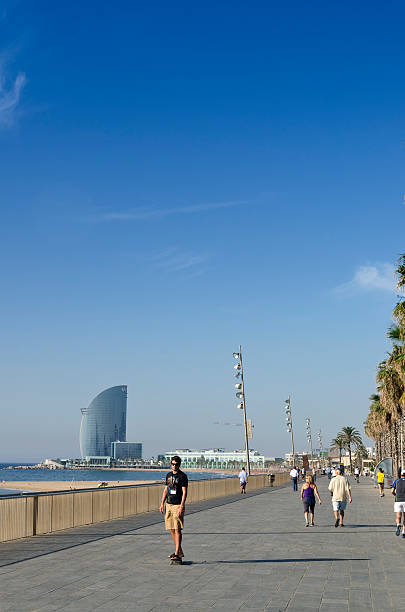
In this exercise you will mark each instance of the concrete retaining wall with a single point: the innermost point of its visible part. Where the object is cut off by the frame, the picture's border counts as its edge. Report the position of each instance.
(38, 514)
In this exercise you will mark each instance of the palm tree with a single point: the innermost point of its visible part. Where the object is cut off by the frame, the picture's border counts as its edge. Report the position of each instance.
(401, 272)
(338, 444)
(360, 454)
(386, 419)
(350, 437)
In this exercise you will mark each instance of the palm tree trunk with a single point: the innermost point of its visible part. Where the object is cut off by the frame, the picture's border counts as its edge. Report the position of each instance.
(395, 456)
(350, 458)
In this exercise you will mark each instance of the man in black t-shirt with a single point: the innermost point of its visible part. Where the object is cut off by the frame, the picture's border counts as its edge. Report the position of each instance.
(398, 489)
(175, 495)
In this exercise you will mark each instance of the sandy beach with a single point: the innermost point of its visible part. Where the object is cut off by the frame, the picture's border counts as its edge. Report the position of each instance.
(49, 486)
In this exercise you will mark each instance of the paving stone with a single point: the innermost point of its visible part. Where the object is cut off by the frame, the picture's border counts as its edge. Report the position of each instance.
(241, 554)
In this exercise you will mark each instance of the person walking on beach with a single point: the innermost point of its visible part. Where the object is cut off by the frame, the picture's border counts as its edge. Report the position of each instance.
(308, 492)
(380, 481)
(340, 490)
(243, 478)
(175, 495)
(294, 478)
(398, 489)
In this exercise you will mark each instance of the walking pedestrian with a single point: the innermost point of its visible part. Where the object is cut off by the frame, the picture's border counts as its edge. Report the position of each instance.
(398, 489)
(294, 478)
(340, 490)
(333, 472)
(175, 495)
(308, 492)
(243, 478)
(380, 481)
(329, 473)
(357, 474)
(303, 474)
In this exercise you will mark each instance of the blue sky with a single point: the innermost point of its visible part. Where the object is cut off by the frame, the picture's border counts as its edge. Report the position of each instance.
(177, 180)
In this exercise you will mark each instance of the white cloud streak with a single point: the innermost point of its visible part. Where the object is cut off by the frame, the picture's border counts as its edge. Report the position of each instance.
(9, 96)
(144, 213)
(175, 260)
(377, 277)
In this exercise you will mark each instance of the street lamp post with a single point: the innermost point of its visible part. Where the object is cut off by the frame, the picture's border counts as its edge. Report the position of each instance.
(309, 436)
(240, 386)
(321, 447)
(290, 426)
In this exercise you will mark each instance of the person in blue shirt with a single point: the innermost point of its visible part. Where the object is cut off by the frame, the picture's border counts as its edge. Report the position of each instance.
(398, 489)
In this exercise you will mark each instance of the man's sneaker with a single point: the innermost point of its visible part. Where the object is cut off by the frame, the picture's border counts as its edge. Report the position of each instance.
(337, 523)
(398, 530)
(403, 535)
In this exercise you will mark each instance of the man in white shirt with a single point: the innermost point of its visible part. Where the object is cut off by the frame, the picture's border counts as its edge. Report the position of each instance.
(243, 478)
(340, 490)
(294, 478)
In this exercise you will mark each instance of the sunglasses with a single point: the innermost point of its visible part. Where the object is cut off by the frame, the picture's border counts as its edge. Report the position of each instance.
(175, 463)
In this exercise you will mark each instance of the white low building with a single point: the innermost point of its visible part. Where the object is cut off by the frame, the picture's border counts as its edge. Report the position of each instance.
(215, 458)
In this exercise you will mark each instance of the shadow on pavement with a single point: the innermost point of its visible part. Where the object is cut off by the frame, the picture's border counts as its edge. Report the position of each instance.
(311, 560)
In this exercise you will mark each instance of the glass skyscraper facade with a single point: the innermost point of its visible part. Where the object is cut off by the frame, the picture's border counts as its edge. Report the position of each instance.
(126, 450)
(103, 422)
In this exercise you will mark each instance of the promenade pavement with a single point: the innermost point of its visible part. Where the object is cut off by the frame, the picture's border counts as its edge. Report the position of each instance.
(249, 552)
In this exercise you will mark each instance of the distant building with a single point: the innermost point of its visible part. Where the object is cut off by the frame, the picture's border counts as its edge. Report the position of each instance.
(97, 461)
(215, 458)
(126, 450)
(104, 422)
(297, 458)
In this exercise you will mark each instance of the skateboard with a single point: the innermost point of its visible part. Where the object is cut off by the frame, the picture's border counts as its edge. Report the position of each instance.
(176, 562)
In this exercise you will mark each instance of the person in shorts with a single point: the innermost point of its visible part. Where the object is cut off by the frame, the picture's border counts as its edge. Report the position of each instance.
(175, 495)
(308, 492)
(380, 481)
(340, 490)
(243, 478)
(398, 489)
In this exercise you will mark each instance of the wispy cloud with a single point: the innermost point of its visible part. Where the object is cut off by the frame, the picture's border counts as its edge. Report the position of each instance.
(377, 277)
(144, 212)
(174, 259)
(10, 92)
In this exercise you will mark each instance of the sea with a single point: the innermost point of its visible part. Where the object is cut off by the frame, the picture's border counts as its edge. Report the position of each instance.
(38, 474)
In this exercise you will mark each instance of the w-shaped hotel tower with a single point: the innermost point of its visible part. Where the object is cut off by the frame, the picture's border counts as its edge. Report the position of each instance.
(104, 422)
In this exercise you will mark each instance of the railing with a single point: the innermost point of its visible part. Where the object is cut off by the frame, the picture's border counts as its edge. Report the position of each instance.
(34, 514)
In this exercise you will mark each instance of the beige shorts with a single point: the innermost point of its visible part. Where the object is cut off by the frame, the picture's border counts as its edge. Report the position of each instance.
(172, 520)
